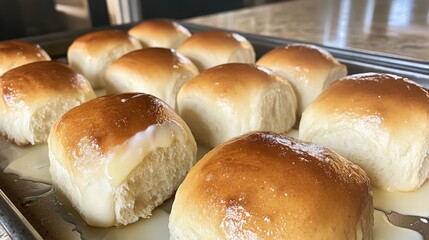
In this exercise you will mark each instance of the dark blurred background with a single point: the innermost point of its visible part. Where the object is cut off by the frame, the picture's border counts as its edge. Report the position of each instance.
(22, 18)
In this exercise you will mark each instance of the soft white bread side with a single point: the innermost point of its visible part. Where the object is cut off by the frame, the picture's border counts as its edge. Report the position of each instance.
(160, 33)
(378, 121)
(118, 157)
(235, 98)
(211, 48)
(308, 68)
(34, 95)
(264, 185)
(92, 53)
(17, 53)
(157, 71)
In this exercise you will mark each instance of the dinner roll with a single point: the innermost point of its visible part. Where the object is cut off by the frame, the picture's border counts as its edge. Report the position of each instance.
(235, 98)
(211, 48)
(160, 33)
(118, 157)
(16, 53)
(34, 95)
(308, 68)
(157, 71)
(91, 53)
(378, 121)
(265, 185)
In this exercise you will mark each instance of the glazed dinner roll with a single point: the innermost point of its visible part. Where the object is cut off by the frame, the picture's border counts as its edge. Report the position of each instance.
(118, 157)
(378, 121)
(157, 71)
(211, 48)
(160, 33)
(16, 53)
(91, 53)
(265, 185)
(34, 95)
(235, 98)
(308, 68)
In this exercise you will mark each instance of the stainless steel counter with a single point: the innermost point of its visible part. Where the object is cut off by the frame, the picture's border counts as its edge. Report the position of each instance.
(398, 27)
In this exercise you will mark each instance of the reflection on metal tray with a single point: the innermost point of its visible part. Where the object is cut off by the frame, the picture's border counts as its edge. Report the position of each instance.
(24, 218)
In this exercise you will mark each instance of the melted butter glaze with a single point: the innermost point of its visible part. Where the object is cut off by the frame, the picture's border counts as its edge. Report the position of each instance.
(138, 147)
(30, 163)
(155, 227)
(406, 203)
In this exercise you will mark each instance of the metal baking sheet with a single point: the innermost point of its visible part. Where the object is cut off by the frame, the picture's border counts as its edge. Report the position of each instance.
(25, 217)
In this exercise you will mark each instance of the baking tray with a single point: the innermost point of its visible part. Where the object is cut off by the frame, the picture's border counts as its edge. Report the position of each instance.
(25, 217)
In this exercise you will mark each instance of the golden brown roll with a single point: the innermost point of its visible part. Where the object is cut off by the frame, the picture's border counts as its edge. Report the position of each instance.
(264, 185)
(160, 33)
(118, 157)
(378, 121)
(16, 53)
(157, 71)
(91, 53)
(235, 98)
(34, 95)
(211, 48)
(308, 68)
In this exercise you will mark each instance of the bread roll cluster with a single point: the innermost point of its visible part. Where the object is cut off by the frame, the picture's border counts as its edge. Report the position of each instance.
(119, 156)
